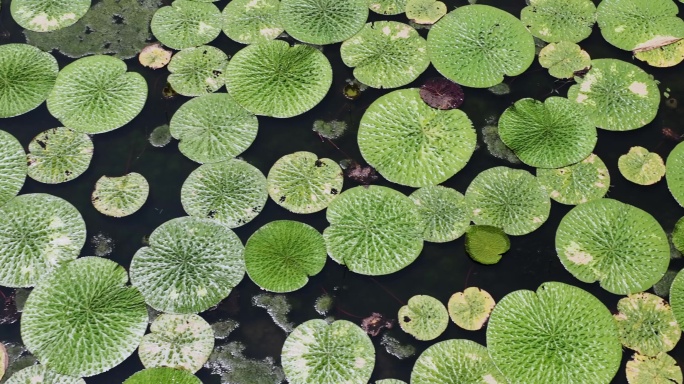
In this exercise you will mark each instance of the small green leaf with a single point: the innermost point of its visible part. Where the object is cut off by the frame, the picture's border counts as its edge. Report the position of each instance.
(197, 71)
(470, 309)
(59, 155)
(425, 11)
(425, 317)
(563, 59)
(186, 24)
(163, 375)
(577, 183)
(485, 244)
(646, 324)
(252, 21)
(48, 15)
(443, 211)
(323, 21)
(388, 7)
(641, 166)
(554, 21)
(120, 196)
(661, 369)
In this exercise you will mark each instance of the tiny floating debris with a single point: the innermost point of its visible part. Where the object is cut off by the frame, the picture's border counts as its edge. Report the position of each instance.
(229, 362)
(500, 89)
(395, 348)
(375, 323)
(353, 89)
(496, 147)
(330, 130)
(277, 307)
(222, 329)
(102, 244)
(362, 174)
(324, 304)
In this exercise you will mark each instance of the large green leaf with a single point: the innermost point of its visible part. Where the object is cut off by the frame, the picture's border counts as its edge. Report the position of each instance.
(386, 54)
(302, 183)
(619, 245)
(197, 71)
(12, 166)
(38, 233)
(677, 297)
(83, 319)
(560, 334)
(552, 134)
(40, 374)
(48, 15)
(281, 255)
(388, 7)
(373, 230)
(186, 24)
(163, 375)
(177, 341)
(432, 144)
(213, 128)
(424, 317)
(59, 155)
(617, 96)
(95, 94)
(510, 199)
(578, 183)
(120, 196)
(320, 353)
(323, 21)
(559, 20)
(444, 213)
(27, 76)
(646, 324)
(277, 80)
(191, 265)
(252, 21)
(231, 192)
(455, 362)
(476, 45)
(674, 173)
(638, 24)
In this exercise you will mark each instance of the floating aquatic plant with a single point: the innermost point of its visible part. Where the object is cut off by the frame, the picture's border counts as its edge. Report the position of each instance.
(388, 7)
(496, 147)
(120, 196)
(13, 166)
(443, 211)
(163, 375)
(83, 319)
(470, 309)
(59, 155)
(186, 24)
(197, 71)
(252, 21)
(425, 11)
(677, 297)
(661, 369)
(486, 244)
(641, 166)
(323, 21)
(578, 183)
(442, 93)
(564, 59)
(41, 374)
(47, 15)
(455, 361)
(556, 21)
(154, 56)
(424, 317)
(646, 324)
(322, 353)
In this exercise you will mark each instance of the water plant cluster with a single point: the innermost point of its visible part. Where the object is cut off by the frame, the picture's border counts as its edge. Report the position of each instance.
(86, 315)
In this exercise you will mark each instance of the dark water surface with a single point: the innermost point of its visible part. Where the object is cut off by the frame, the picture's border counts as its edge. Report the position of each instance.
(441, 270)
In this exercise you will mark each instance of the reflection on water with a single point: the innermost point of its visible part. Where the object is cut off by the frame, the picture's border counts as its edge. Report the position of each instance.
(253, 348)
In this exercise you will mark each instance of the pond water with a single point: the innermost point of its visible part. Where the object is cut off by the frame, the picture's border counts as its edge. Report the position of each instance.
(441, 269)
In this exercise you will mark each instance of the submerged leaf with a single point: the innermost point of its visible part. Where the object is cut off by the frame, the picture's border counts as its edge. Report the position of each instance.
(441, 93)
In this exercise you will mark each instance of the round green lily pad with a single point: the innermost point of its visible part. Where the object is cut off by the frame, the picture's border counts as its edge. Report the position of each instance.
(425, 317)
(661, 369)
(641, 166)
(277, 80)
(677, 297)
(616, 244)
(154, 56)
(83, 319)
(197, 71)
(323, 21)
(177, 341)
(432, 144)
(617, 96)
(554, 21)
(320, 353)
(120, 196)
(27, 76)
(552, 134)
(59, 155)
(455, 361)
(389, 381)
(252, 21)
(470, 309)
(12, 166)
(231, 192)
(425, 11)
(161, 375)
(213, 128)
(388, 7)
(578, 183)
(646, 324)
(563, 59)
(281, 255)
(635, 24)
(386, 54)
(191, 265)
(373, 230)
(186, 24)
(38, 233)
(476, 45)
(95, 94)
(667, 55)
(443, 211)
(40, 374)
(674, 173)
(48, 15)
(486, 244)
(302, 183)
(510, 199)
(560, 334)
